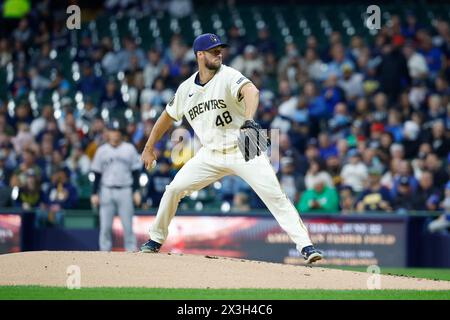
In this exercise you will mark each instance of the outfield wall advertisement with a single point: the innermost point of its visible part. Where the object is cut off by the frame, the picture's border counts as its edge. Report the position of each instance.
(344, 241)
(10, 225)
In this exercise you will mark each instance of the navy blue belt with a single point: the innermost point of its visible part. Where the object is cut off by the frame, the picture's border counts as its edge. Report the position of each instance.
(117, 187)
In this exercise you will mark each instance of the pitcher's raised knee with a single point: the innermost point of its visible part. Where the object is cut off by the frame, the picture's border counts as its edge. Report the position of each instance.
(176, 191)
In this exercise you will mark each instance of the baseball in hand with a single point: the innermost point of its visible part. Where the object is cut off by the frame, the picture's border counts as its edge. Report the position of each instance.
(153, 164)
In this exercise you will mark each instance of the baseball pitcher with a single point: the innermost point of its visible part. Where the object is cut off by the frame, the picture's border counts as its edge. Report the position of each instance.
(219, 103)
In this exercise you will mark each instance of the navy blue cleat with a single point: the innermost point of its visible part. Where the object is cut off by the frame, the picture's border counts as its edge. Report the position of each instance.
(151, 247)
(311, 254)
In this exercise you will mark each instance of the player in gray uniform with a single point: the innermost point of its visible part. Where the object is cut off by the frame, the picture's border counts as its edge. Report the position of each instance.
(116, 166)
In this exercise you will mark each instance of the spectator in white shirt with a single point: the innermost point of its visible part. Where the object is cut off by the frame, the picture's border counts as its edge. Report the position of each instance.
(351, 83)
(153, 68)
(354, 173)
(39, 124)
(314, 66)
(317, 172)
(248, 62)
(417, 65)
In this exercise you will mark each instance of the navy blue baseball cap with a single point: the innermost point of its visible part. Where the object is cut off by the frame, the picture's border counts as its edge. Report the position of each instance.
(207, 41)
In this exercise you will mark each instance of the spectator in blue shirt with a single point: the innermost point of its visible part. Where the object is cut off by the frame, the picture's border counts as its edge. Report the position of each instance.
(232, 185)
(86, 49)
(265, 42)
(338, 61)
(402, 200)
(21, 84)
(129, 49)
(326, 147)
(427, 195)
(61, 194)
(235, 41)
(158, 180)
(412, 184)
(375, 197)
(89, 83)
(22, 114)
(111, 98)
(409, 29)
(394, 125)
(341, 121)
(59, 83)
(316, 105)
(332, 93)
(433, 55)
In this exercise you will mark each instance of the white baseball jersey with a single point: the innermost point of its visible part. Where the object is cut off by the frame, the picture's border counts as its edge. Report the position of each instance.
(216, 110)
(116, 164)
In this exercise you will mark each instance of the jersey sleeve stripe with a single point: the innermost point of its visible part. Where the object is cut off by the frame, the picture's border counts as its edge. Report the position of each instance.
(171, 116)
(239, 96)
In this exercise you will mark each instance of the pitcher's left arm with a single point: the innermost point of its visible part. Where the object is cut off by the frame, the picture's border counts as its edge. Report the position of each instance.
(251, 99)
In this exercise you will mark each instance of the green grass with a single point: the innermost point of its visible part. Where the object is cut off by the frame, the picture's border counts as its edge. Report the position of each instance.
(52, 293)
(434, 274)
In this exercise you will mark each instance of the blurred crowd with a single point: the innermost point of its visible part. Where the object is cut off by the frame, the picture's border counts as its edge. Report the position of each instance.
(363, 127)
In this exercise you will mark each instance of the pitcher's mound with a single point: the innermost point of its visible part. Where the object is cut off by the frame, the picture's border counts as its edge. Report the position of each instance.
(118, 269)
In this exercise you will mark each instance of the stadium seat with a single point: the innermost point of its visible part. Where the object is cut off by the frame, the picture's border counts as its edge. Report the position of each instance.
(3, 88)
(103, 27)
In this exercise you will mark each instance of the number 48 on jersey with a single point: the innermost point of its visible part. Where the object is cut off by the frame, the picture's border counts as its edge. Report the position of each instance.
(224, 118)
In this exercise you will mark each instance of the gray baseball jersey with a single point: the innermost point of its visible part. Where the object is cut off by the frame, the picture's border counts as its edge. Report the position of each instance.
(116, 164)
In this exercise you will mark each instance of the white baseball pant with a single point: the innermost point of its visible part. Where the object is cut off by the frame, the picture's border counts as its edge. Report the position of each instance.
(208, 166)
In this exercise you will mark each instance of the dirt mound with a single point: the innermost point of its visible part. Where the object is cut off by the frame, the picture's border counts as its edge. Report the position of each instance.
(118, 269)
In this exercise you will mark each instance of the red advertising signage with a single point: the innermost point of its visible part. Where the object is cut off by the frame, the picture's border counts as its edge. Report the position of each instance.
(344, 241)
(10, 233)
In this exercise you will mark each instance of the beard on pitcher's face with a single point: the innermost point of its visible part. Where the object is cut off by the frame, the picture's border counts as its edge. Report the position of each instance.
(214, 63)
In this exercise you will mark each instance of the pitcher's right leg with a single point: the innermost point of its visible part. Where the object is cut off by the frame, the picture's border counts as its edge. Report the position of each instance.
(259, 174)
(196, 174)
